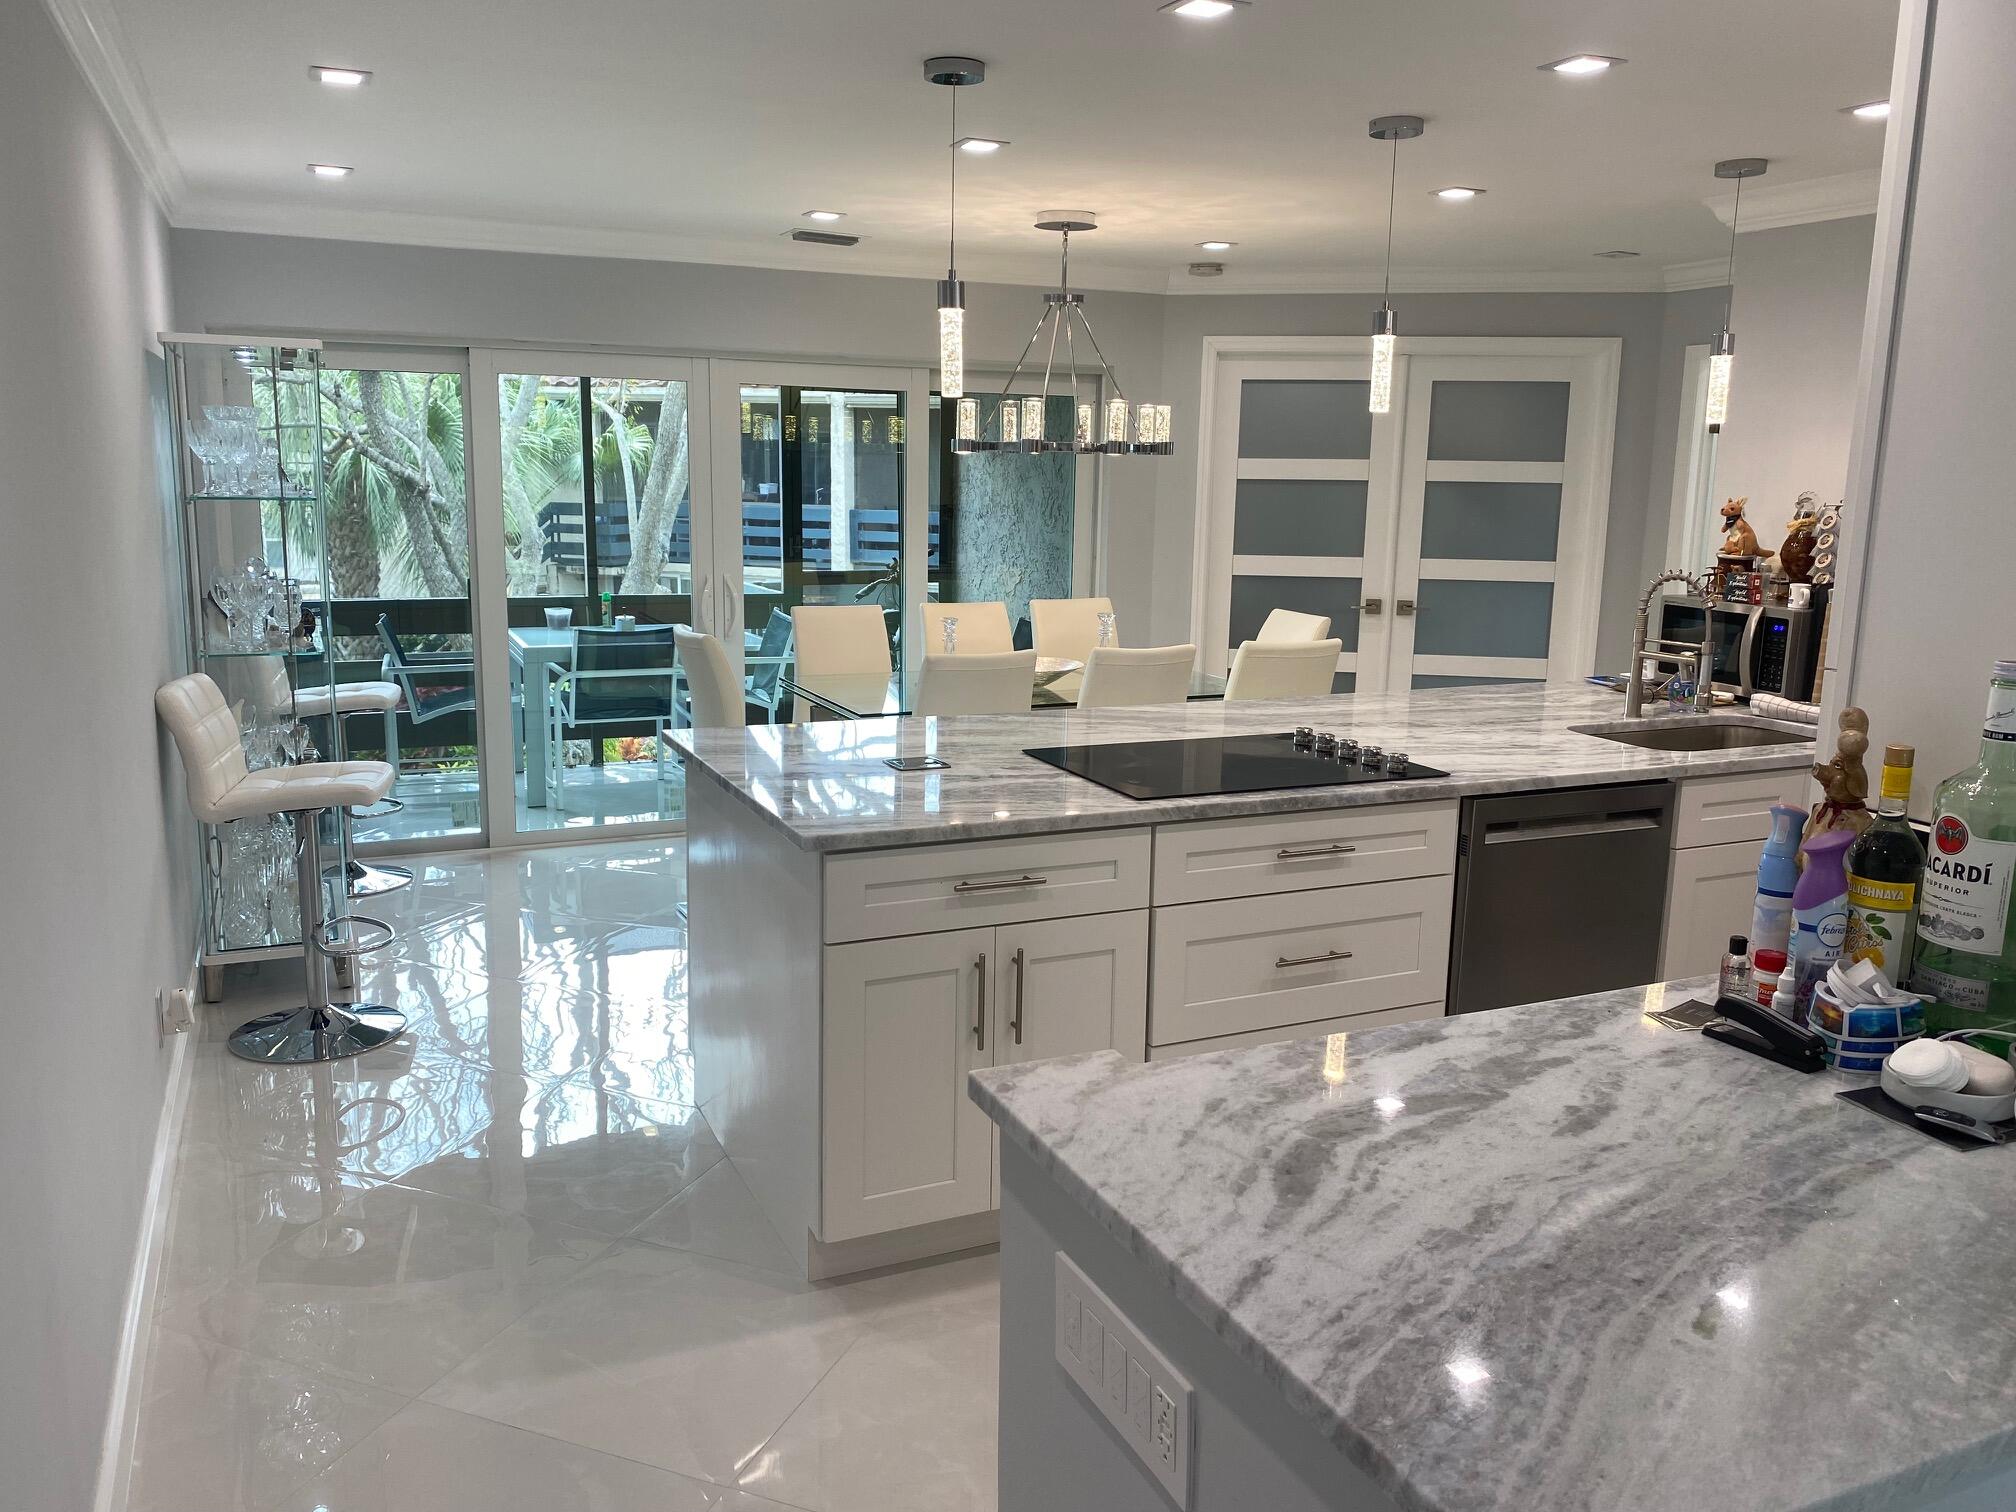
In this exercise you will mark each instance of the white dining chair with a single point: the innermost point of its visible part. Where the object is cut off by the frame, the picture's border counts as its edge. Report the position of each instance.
(839, 642)
(1283, 669)
(1068, 628)
(715, 695)
(983, 628)
(990, 682)
(1116, 676)
(1292, 625)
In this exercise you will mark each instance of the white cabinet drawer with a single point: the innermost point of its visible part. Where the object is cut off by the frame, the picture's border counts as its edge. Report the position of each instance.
(1718, 810)
(1711, 891)
(1318, 1031)
(926, 888)
(1243, 964)
(1273, 853)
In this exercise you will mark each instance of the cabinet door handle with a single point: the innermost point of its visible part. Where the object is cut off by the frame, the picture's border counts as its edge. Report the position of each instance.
(1304, 852)
(1282, 963)
(1021, 970)
(998, 885)
(980, 1012)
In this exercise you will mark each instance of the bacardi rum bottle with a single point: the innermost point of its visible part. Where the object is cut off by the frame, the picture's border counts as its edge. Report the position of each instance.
(1966, 934)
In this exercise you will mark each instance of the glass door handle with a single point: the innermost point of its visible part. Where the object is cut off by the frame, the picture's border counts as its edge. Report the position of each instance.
(1403, 607)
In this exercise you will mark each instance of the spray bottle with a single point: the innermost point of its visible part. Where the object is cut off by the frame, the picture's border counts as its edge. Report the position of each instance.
(1777, 875)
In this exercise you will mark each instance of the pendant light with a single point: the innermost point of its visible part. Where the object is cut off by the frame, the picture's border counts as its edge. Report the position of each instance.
(1020, 421)
(955, 74)
(1395, 129)
(1722, 356)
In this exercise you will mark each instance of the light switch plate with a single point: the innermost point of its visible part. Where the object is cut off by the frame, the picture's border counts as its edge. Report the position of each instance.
(1126, 1378)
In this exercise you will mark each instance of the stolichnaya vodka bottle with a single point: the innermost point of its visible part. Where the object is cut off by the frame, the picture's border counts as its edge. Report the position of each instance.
(1886, 868)
(1966, 944)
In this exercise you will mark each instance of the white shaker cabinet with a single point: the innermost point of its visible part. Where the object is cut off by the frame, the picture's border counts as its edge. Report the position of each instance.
(1719, 828)
(907, 1018)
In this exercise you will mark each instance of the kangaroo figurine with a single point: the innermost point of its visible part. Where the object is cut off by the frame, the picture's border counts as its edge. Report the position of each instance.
(1738, 540)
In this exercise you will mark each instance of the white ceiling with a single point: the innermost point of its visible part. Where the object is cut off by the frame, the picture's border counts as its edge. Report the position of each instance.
(700, 129)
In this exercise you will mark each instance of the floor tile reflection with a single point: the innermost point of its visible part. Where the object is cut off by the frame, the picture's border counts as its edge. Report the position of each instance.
(504, 1264)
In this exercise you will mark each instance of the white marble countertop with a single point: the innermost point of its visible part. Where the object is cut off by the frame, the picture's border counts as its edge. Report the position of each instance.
(1561, 1258)
(826, 787)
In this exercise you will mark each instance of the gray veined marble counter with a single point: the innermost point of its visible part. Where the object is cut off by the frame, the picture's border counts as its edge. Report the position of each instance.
(1557, 1258)
(825, 785)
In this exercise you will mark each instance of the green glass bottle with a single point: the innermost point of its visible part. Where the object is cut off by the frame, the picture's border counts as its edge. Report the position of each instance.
(1886, 868)
(1966, 957)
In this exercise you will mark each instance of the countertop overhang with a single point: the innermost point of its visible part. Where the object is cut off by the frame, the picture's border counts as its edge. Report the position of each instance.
(826, 787)
(1562, 1257)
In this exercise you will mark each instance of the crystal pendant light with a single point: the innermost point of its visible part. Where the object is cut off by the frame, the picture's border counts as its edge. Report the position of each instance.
(1722, 356)
(954, 73)
(1122, 429)
(1395, 129)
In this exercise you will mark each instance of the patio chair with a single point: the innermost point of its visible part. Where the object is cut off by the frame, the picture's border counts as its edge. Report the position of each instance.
(618, 677)
(434, 684)
(765, 665)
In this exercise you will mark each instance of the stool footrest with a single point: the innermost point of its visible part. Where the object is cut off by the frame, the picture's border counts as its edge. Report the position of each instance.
(348, 936)
(384, 808)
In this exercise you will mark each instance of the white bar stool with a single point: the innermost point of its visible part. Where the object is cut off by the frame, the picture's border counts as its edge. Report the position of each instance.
(221, 789)
(365, 880)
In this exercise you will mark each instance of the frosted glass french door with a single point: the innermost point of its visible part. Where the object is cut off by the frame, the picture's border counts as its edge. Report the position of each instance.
(1498, 537)
(1300, 510)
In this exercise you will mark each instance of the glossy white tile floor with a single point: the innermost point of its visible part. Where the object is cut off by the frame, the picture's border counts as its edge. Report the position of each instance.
(505, 1267)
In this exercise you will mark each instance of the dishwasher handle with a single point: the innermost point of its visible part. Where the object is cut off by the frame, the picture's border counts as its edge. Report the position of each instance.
(1516, 831)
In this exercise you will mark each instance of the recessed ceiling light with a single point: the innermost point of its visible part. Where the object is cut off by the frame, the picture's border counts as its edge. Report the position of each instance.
(1874, 110)
(825, 215)
(979, 146)
(1581, 63)
(1617, 252)
(329, 170)
(1202, 10)
(1216, 246)
(1458, 192)
(339, 78)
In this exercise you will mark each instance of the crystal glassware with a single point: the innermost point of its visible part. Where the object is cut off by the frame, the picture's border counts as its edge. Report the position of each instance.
(224, 594)
(949, 628)
(1107, 621)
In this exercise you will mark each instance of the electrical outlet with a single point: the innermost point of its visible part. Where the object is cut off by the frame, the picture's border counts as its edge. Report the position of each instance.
(1125, 1378)
(176, 1009)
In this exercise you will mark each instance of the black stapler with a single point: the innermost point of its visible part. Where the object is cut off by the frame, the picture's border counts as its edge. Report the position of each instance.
(1753, 1027)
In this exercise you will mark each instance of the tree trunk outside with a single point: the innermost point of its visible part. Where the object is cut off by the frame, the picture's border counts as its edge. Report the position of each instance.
(652, 516)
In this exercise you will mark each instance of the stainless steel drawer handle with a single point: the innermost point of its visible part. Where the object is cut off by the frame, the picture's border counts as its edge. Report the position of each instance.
(1282, 963)
(1021, 972)
(1304, 852)
(980, 1008)
(1001, 885)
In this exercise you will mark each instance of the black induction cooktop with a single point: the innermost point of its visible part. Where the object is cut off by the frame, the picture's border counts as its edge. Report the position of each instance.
(1149, 769)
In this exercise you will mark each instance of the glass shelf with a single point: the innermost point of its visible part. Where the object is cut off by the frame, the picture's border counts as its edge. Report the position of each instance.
(227, 655)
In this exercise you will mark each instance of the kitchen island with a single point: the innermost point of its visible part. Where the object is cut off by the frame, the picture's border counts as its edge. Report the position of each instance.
(862, 938)
(1553, 1258)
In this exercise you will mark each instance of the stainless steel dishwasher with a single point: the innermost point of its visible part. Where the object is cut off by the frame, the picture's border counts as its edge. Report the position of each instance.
(1559, 893)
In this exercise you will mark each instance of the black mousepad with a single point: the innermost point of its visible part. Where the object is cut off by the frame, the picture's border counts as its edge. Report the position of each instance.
(1877, 1101)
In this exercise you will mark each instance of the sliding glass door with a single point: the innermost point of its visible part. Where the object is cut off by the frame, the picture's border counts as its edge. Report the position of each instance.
(820, 507)
(589, 537)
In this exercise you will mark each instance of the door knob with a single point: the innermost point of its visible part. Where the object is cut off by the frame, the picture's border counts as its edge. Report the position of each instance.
(1373, 606)
(1403, 606)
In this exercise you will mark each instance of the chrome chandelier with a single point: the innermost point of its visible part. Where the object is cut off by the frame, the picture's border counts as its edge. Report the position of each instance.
(1020, 423)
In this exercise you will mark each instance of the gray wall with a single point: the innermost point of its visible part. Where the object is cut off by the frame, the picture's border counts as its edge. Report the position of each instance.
(1800, 294)
(1937, 606)
(1648, 323)
(98, 853)
(225, 281)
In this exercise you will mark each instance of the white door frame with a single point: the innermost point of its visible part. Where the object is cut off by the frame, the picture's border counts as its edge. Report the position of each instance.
(1693, 463)
(490, 598)
(1586, 469)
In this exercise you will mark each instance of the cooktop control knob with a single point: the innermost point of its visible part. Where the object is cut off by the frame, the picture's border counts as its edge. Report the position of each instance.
(1371, 757)
(1326, 744)
(1347, 748)
(1304, 737)
(1396, 763)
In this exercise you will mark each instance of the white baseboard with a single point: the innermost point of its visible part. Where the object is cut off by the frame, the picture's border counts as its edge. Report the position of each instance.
(122, 1417)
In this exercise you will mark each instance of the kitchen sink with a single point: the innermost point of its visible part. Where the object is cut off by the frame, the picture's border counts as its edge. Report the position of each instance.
(1695, 734)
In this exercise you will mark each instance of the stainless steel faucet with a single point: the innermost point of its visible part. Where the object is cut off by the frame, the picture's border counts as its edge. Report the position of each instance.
(1694, 659)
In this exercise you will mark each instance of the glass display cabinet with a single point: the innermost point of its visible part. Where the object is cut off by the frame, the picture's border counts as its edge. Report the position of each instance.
(247, 434)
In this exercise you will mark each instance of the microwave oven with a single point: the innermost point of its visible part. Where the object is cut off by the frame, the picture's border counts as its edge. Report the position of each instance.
(1754, 648)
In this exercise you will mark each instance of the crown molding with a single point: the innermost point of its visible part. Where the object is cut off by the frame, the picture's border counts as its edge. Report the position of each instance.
(91, 30)
(403, 228)
(1768, 206)
(1708, 273)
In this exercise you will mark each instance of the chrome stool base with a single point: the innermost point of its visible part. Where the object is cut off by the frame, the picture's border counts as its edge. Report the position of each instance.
(297, 1036)
(368, 881)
